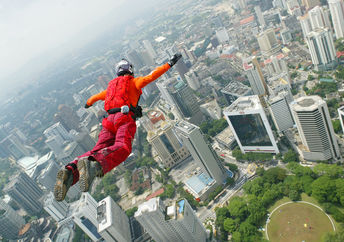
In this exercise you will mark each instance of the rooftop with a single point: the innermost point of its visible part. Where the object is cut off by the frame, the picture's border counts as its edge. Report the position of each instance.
(245, 103)
(236, 88)
(307, 103)
(198, 183)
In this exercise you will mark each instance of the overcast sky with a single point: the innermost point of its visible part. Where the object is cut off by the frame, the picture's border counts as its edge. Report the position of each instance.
(29, 28)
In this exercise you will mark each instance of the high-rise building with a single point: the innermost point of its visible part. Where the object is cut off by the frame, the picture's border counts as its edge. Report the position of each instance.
(57, 210)
(135, 58)
(315, 128)
(234, 90)
(277, 65)
(259, 15)
(113, 223)
(337, 14)
(177, 222)
(147, 58)
(317, 17)
(67, 117)
(55, 144)
(47, 176)
(222, 35)
(286, 36)
(250, 126)
(165, 142)
(294, 7)
(242, 4)
(85, 216)
(341, 117)
(310, 3)
(25, 192)
(201, 151)
(59, 131)
(148, 46)
(13, 146)
(70, 152)
(280, 110)
(192, 80)
(282, 4)
(321, 47)
(255, 76)
(10, 221)
(268, 42)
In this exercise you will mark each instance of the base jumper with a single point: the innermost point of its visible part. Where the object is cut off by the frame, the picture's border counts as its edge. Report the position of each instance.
(114, 143)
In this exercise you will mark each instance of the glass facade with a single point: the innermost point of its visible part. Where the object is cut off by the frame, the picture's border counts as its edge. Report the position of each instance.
(167, 143)
(250, 130)
(90, 226)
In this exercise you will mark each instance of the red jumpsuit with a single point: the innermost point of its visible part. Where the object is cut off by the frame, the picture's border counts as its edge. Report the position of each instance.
(115, 145)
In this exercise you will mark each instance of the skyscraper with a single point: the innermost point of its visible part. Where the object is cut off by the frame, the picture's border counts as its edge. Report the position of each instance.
(192, 80)
(13, 146)
(58, 130)
(85, 216)
(67, 117)
(25, 192)
(47, 176)
(113, 222)
(177, 222)
(255, 76)
(268, 42)
(310, 3)
(135, 58)
(337, 14)
(259, 15)
(280, 110)
(276, 65)
(148, 46)
(222, 35)
(57, 210)
(315, 128)
(201, 151)
(321, 47)
(171, 151)
(250, 126)
(341, 117)
(10, 221)
(317, 17)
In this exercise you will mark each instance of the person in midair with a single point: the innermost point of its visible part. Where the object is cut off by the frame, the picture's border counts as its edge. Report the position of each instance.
(114, 143)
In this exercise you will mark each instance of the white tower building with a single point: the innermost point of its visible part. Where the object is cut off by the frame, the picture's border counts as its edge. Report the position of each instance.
(148, 46)
(321, 47)
(268, 42)
(255, 76)
(222, 35)
(250, 126)
(337, 14)
(57, 210)
(280, 110)
(317, 17)
(315, 128)
(192, 80)
(260, 16)
(177, 222)
(341, 117)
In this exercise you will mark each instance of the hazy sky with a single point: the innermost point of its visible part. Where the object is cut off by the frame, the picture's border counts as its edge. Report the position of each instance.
(28, 28)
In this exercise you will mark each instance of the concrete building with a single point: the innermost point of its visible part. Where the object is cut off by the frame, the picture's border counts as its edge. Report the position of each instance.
(13, 146)
(113, 222)
(165, 142)
(341, 117)
(177, 222)
(148, 46)
(234, 90)
(192, 80)
(222, 35)
(47, 176)
(67, 117)
(337, 14)
(135, 58)
(286, 36)
(59, 131)
(259, 15)
(315, 128)
(10, 221)
(277, 65)
(211, 109)
(317, 17)
(321, 47)
(70, 152)
(255, 76)
(250, 126)
(25, 192)
(57, 210)
(280, 110)
(268, 42)
(310, 3)
(85, 216)
(201, 151)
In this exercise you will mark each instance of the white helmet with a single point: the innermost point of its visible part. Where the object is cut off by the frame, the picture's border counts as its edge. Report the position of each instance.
(124, 67)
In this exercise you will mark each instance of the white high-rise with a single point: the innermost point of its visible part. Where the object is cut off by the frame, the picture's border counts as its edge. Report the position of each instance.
(57, 210)
(250, 126)
(114, 224)
(255, 76)
(202, 152)
(280, 110)
(321, 47)
(317, 17)
(315, 128)
(260, 16)
(268, 42)
(222, 35)
(341, 117)
(177, 222)
(192, 80)
(337, 14)
(276, 65)
(148, 46)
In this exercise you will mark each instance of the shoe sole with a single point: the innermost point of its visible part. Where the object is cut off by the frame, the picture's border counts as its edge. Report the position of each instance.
(83, 168)
(60, 188)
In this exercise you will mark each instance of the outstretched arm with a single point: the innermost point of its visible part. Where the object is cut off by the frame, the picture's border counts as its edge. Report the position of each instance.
(95, 98)
(141, 82)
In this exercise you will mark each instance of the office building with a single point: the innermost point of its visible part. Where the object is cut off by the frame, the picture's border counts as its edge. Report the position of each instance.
(341, 117)
(337, 14)
(315, 128)
(135, 58)
(59, 131)
(165, 142)
(222, 36)
(255, 76)
(25, 192)
(286, 36)
(192, 80)
(201, 151)
(267, 42)
(55, 144)
(294, 7)
(318, 17)
(259, 15)
(85, 216)
(321, 47)
(212, 109)
(280, 110)
(113, 223)
(147, 58)
(148, 46)
(67, 117)
(250, 126)
(84, 140)
(309, 4)
(234, 90)
(70, 152)
(10, 221)
(13, 146)
(242, 4)
(57, 210)
(177, 222)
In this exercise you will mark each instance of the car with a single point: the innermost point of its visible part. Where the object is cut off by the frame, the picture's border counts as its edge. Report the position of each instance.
(223, 155)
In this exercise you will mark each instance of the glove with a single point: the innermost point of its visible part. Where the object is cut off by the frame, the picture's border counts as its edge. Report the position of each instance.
(87, 106)
(174, 59)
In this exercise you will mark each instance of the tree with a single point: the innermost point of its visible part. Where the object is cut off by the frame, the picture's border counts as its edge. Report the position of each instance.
(131, 211)
(230, 225)
(275, 175)
(340, 190)
(290, 156)
(294, 195)
(331, 170)
(139, 191)
(257, 213)
(246, 229)
(334, 237)
(324, 189)
(171, 116)
(238, 208)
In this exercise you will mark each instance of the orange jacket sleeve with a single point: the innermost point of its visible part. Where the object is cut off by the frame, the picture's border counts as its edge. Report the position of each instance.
(96, 97)
(141, 82)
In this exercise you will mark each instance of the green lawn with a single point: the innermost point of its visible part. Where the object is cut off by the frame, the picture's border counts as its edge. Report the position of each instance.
(279, 202)
(298, 222)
